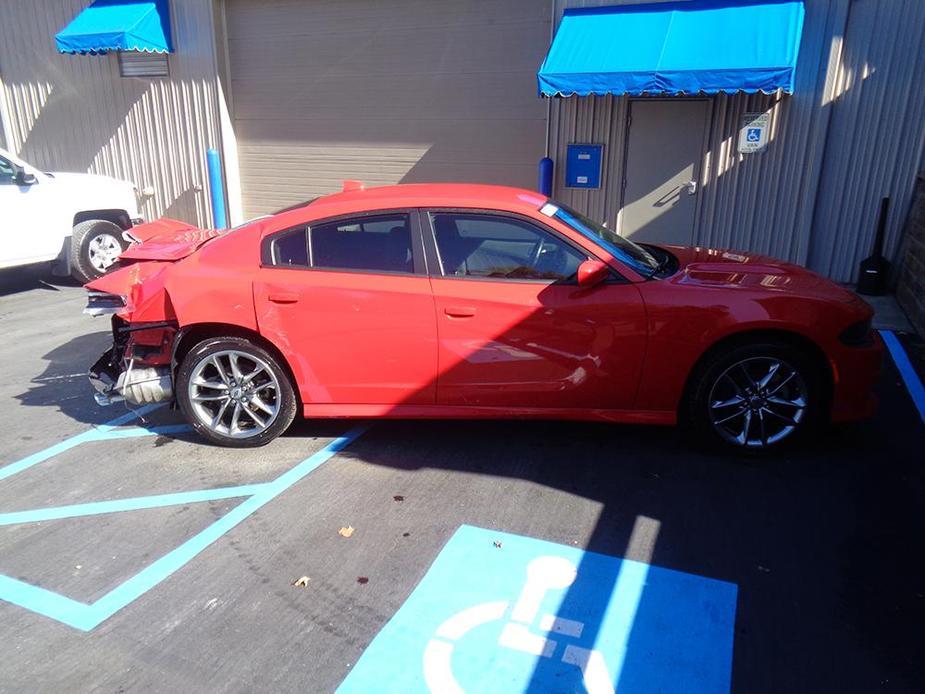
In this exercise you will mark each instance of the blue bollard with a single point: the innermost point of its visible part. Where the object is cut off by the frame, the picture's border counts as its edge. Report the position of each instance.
(217, 189)
(545, 176)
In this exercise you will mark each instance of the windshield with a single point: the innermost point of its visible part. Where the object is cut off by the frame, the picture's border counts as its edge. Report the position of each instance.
(637, 257)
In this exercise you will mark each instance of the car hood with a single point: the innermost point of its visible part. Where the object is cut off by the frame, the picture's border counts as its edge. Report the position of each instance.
(166, 239)
(707, 267)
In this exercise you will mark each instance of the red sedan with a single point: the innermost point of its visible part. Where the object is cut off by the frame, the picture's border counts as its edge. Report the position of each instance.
(471, 301)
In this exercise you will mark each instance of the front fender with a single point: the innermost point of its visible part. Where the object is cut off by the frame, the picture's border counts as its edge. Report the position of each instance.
(683, 326)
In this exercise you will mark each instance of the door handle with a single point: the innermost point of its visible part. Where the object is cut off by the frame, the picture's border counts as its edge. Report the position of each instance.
(283, 297)
(459, 311)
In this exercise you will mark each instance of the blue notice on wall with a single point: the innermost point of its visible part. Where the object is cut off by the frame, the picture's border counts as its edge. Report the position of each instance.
(583, 166)
(505, 613)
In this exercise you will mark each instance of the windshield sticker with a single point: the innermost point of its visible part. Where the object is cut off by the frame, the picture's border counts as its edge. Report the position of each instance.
(549, 209)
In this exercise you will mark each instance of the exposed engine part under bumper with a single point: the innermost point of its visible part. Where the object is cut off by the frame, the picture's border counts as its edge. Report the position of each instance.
(137, 385)
(138, 368)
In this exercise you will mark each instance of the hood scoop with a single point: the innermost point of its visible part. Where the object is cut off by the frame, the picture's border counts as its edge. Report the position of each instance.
(735, 274)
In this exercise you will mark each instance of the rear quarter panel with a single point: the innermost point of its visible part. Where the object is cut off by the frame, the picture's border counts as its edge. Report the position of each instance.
(214, 285)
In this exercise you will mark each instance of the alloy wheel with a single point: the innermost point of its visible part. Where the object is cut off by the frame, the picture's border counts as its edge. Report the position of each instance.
(234, 394)
(758, 402)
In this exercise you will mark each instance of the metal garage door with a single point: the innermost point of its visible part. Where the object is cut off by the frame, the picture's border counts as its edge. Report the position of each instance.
(384, 92)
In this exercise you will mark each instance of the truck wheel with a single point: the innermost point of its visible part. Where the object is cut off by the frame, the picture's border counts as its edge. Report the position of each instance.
(95, 246)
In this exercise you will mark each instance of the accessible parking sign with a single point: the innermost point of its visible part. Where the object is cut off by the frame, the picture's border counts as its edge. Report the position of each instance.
(504, 613)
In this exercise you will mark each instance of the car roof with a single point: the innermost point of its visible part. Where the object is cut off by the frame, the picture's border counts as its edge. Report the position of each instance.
(474, 195)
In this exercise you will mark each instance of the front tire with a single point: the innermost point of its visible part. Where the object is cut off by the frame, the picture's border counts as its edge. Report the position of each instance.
(235, 393)
(755, 398)
(95, 246)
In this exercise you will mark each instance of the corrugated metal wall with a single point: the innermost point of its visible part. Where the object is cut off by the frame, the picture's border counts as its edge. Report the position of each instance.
(876, 139)
(760, 202)
(71, 112)
(853, 131)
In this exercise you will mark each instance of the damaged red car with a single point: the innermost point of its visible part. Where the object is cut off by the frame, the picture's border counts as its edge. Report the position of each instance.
(472, 301)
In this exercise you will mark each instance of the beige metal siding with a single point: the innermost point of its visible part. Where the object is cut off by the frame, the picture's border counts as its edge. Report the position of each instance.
(877, 135)
(760, 202)
(73, 112)
(384, 92)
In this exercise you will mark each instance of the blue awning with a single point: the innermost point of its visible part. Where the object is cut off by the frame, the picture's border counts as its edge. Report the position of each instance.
(118, 25)
(693, 47)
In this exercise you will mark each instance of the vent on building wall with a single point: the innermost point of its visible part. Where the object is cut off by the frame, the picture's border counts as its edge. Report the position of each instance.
(136, 64)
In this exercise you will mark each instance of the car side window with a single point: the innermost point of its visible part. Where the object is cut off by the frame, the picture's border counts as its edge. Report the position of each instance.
(496, 246)
(376, 243)
(291, 249)
(370, 243)
(7, 172)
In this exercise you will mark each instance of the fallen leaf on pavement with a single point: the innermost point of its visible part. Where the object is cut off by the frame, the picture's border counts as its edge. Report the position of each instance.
(362, 580)
(346, 532)
(301, 582)
(398, 497)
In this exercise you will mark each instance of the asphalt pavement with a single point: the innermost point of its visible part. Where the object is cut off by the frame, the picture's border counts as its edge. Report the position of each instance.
(824, 545)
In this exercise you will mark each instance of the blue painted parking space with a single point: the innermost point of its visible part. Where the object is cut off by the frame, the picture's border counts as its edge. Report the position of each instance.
(498, 612)
(84, 616)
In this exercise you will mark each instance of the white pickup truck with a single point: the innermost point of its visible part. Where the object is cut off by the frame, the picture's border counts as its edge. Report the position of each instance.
(75, 220)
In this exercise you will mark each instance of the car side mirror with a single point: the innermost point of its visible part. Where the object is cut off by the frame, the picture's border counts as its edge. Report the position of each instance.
(592, 272)
(23, 178)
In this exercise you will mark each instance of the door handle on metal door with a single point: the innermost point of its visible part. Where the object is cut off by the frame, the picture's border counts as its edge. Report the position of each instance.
(283, 297)
(459, 311)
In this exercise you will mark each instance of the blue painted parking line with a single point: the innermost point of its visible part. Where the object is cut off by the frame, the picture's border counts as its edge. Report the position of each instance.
(131, 504)
(99, 433)
(906, 370)
(85, 616)
(504, 613)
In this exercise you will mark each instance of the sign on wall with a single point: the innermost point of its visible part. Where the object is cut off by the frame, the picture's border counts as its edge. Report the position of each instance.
(583, 166)
(753, 134)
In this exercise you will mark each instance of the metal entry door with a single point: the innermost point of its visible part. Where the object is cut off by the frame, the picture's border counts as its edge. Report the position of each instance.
(664, 151)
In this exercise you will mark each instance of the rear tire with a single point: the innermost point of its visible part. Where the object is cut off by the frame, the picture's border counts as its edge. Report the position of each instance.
(235, 393)
(95, 246)
(754, 398)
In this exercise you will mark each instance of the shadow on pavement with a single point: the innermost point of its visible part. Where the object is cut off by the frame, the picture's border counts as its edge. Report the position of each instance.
(63, 383)
(24, 279)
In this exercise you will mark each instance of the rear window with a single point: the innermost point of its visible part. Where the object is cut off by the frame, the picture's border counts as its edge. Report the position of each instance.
(378, 243)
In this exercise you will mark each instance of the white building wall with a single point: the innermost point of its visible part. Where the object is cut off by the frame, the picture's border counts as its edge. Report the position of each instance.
(74, 112)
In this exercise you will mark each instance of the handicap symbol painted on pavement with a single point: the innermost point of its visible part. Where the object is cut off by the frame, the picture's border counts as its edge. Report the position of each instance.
(543, 574)
(753, 135)
(537, 616)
